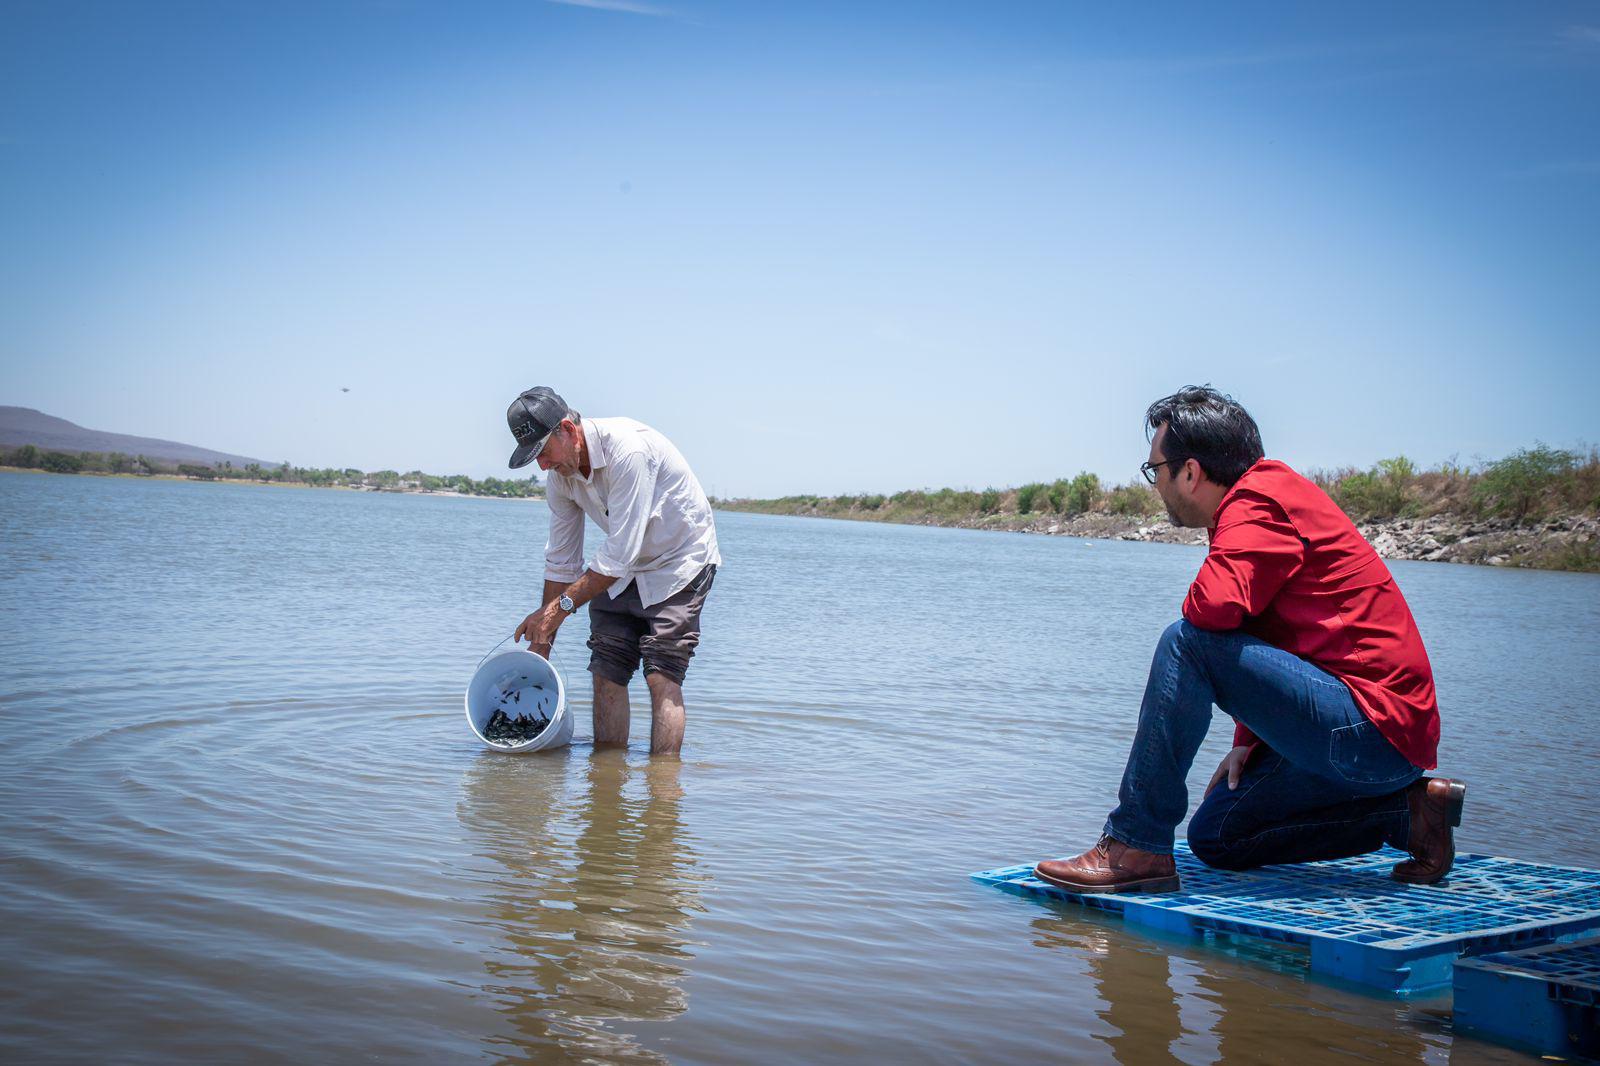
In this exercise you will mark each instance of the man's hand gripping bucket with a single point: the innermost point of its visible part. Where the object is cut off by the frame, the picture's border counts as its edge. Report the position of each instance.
(511, 693)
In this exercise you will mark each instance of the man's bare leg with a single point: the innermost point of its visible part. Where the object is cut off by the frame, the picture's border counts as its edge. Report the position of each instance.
(610, 712)
(666, 714)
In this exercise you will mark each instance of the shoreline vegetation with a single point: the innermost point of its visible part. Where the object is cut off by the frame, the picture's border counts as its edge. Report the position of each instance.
(1538, 507)
(119, 464)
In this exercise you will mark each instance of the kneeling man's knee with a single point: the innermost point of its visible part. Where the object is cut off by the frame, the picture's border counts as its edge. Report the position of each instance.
(1208, 841)
(1180, 633)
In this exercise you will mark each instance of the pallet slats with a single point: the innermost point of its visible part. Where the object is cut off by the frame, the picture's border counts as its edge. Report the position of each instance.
(1360, 925)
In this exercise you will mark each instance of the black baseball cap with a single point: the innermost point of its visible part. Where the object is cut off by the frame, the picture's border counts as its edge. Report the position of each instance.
(533, 416)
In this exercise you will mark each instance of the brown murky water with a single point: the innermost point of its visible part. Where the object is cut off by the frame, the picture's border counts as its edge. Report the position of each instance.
(242, 817)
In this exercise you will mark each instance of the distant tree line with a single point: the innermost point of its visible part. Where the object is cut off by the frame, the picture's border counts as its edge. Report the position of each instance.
(1528, 485)
(1068, 497)
(30, 457)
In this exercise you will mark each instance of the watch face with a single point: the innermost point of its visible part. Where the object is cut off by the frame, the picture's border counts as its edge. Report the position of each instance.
(566, 603)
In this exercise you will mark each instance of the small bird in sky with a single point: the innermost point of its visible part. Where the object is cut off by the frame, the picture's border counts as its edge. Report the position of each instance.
(343, 389)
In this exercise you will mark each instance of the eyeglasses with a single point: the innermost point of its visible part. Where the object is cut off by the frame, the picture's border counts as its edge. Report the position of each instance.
(1149, 469)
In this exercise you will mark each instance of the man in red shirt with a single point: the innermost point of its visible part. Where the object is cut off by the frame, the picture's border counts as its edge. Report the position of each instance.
(1296, 629)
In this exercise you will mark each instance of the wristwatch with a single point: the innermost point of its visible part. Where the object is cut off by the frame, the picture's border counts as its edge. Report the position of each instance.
(566, 604)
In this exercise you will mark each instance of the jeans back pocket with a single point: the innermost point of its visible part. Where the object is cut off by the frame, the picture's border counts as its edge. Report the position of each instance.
(1362, 755)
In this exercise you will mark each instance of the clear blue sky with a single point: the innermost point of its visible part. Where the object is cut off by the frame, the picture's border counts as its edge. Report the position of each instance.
(825, 247)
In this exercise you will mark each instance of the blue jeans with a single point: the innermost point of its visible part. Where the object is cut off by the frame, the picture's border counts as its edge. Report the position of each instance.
(1330, 786)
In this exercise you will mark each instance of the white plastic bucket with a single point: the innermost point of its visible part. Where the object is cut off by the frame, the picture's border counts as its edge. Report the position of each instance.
(519, 682)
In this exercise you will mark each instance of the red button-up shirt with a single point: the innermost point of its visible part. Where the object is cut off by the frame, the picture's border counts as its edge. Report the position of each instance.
(1286, 565)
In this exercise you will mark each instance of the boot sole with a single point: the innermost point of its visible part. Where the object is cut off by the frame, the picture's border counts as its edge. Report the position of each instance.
(1149, 884)
(1421, 879)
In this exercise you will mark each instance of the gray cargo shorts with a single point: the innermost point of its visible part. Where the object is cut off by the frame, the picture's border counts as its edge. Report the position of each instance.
(623, 630)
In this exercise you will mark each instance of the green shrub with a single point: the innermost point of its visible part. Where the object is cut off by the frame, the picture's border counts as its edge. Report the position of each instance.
(910, 499)
(1520, 484)
(1057, 494)
(1080, 494)
(1030, 494)
(989, 501)
(1132, 500)
(1382, 492)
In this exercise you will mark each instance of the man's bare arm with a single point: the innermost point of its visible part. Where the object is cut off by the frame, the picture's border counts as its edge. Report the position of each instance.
(540, 627)
(553, 591)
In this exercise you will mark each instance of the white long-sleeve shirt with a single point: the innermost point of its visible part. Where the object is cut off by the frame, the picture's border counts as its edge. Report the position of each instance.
(657, 520)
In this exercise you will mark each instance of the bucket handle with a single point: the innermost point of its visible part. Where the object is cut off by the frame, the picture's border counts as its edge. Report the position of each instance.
(497, 647)
(494, 649)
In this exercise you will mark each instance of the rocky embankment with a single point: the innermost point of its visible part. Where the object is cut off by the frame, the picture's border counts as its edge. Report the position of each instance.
(1564, 543)
(1568, 542)
(1491, 542)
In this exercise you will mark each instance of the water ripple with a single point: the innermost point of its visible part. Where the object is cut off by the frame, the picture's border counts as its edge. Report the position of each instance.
(256, 826)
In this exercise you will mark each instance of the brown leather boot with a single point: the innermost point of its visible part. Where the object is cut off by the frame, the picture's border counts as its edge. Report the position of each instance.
(1435, 808)
(1111, 866)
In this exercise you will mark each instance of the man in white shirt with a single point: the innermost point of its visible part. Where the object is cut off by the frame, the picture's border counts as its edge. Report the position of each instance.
(649, 580)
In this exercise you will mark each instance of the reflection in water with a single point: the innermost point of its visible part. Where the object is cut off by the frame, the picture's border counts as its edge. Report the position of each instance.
(593, 895)
(1134, 987)
(295, 853)
(1144, 986)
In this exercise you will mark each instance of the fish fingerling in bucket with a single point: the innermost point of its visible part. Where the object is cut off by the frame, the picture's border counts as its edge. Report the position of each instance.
(507, 731)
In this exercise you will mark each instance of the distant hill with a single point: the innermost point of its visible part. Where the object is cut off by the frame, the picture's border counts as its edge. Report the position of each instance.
(24, 425)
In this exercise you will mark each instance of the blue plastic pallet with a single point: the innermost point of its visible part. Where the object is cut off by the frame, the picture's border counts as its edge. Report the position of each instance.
(1359, 924)
(1545, 999)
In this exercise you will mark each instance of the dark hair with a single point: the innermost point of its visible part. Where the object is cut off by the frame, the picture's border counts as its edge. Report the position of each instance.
(1208, 427)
